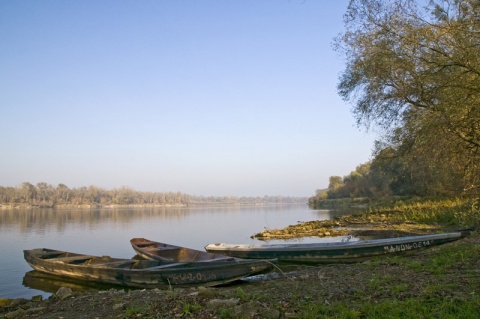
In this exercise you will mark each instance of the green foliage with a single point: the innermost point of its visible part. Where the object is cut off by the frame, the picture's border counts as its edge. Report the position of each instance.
(226, 313)
(446, 259)
(322, 310)
(242, 295)
(421, 308)
(454, 212)
(414, 72)
(390, 177)
(189, 309)
(392, 296)
(134, 311)
(426, 307)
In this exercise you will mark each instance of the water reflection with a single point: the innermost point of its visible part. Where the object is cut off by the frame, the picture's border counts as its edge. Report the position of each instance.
(50, 283)
(41, 220)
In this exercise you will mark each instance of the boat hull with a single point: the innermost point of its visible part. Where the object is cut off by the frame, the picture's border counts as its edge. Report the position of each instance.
(138, 273)
(335, 252)
(152, 250)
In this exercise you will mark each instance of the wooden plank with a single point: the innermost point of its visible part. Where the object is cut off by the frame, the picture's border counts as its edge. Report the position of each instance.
(165, 266)
(112, 264)
(226, 258)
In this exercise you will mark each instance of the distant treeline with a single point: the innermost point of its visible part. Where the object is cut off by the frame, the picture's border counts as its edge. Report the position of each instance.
(392, 176)
(46, 195)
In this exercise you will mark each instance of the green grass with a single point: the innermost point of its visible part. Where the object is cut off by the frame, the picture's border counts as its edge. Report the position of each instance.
(449, 212)
(411, 308)
(336, 310)
(190, 309)
(134, 311)
(243, 296)
(442, 298)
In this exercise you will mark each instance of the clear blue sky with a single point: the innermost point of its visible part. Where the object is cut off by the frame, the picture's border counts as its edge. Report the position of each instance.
(208, 97)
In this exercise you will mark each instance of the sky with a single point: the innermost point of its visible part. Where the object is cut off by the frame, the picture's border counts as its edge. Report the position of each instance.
(213, 97)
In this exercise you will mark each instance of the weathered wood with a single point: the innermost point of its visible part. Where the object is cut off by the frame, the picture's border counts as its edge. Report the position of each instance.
(70, 259)
(153, 250)
(113, 264)
(166, 266)
(141, 273)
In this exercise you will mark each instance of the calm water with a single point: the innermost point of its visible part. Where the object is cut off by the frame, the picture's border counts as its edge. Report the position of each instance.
(108, 232)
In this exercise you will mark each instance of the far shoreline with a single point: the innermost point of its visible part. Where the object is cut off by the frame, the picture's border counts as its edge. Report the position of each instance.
(112, 206)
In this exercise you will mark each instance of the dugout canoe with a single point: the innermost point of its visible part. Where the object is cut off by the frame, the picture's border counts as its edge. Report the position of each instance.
(346, 251)
(140, 273)
(153, 250)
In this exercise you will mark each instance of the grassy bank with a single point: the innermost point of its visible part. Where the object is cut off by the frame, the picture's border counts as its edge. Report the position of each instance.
(446, 212)
(441, 283)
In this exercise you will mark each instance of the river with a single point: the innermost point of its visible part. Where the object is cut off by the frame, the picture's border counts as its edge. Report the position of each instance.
(107, 231)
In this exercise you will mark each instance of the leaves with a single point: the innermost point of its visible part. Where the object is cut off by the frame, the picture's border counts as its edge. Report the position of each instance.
(415, 73)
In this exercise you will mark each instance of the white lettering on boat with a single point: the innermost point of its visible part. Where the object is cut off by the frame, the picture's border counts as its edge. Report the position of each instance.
(404, 247)
(192, 277)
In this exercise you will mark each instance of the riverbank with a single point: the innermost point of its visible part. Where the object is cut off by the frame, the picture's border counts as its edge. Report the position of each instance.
(437, 282)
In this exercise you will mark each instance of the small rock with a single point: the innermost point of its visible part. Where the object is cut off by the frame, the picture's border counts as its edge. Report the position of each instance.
(63, 292)
(254, 308)
(207, 292)
(222, 303)
(351, 291)
(31, 311)
(304, 276)
(247, 310)
(118, 306)
(269, 313)
(15, 314)
(18, 301)
(37, 298)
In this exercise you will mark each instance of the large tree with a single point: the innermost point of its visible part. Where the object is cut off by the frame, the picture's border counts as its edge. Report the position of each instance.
(414, 71)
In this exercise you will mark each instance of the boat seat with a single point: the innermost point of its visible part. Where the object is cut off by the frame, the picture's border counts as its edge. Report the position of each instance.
(50, 254)
(72, 258)
(113, 264)
(144, 244)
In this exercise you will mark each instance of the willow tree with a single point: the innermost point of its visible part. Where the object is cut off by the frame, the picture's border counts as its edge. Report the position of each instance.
(414, 72)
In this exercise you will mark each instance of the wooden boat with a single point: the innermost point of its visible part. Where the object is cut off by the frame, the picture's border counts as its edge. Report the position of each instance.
(153, 250)
(349, 251)
(140, 273)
